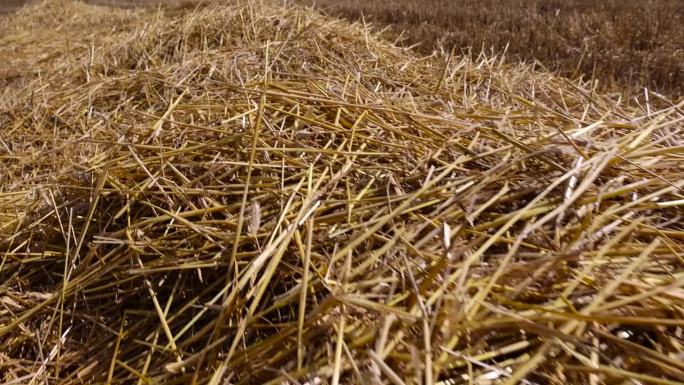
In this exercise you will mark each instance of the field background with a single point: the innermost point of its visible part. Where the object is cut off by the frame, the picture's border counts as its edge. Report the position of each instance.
(10, 5)
(624, 44)
(7, 6)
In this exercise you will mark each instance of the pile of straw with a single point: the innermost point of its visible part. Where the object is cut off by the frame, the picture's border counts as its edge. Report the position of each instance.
(257, 194)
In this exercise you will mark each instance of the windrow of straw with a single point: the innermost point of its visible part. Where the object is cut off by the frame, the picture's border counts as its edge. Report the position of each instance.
(256, 194)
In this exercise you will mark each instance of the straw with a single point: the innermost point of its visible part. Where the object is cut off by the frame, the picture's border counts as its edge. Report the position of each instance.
(260, 194)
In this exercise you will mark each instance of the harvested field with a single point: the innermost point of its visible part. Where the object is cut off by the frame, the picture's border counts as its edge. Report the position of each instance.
(7, 6)
(624, 44)
(263, 195)
(10, 5)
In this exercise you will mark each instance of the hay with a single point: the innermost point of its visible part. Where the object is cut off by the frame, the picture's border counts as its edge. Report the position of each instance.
(256, 194)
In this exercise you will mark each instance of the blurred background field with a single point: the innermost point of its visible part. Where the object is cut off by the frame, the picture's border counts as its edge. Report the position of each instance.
(625, 44)
(10, 5)
(7, 6)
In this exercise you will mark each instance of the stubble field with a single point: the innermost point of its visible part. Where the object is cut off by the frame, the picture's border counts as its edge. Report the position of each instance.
(625, 45)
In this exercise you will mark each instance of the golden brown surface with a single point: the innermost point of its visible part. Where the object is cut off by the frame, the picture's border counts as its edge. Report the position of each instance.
(625, 44)
(11, 5)
(263, 195)
(7, 6)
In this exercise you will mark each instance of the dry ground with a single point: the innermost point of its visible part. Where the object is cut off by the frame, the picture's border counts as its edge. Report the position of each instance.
(12, 5)
(624, 44)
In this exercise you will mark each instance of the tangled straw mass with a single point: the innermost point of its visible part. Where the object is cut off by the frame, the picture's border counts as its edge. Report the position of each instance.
(258, 194)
